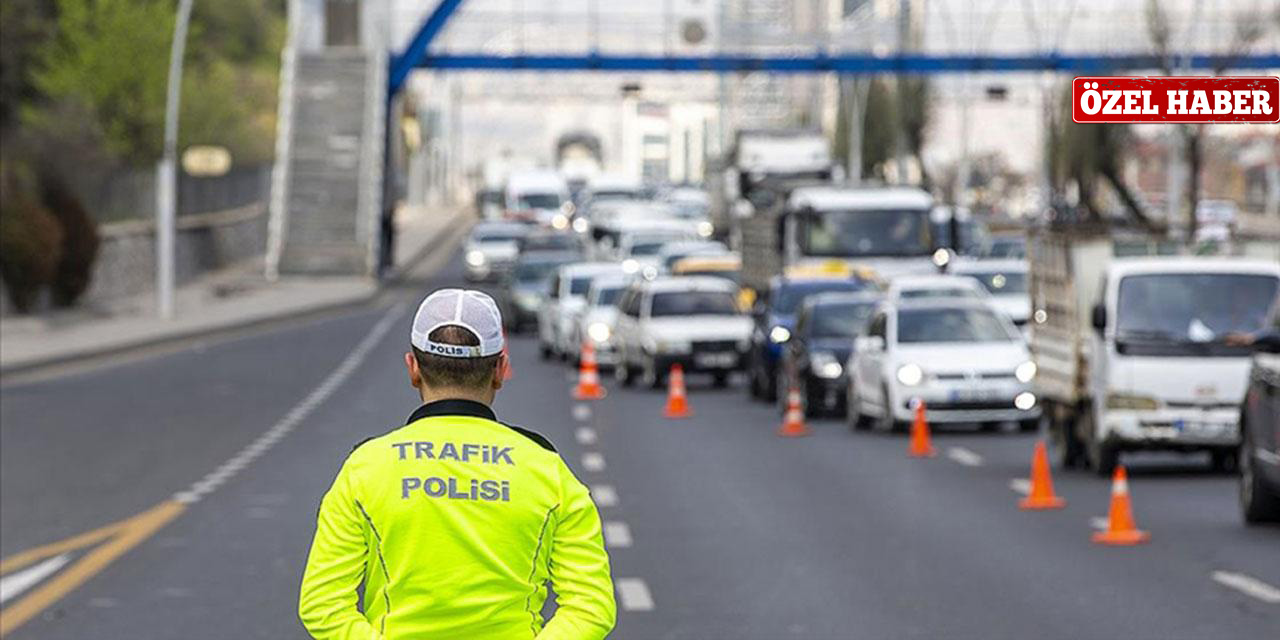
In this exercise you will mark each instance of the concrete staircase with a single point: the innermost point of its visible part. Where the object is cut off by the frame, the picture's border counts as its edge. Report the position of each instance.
(333, 188)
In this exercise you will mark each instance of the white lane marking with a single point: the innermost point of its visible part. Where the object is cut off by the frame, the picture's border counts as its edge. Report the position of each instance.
(604, 495)
(295, 416)
(1100, 523)
(1021, 485)
(634, 594)
(593, 462)
(1248, 585)
(964, 457)
(19, 581)
(585, 435)
(617, 534)
(582, 412)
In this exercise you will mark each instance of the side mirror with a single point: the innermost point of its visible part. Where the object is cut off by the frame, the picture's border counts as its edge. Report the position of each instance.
(1099, 317)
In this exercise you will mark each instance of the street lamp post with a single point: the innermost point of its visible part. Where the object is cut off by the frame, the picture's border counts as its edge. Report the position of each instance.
(167, 172)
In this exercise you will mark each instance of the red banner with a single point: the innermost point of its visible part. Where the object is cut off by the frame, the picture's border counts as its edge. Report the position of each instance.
(1233, 99)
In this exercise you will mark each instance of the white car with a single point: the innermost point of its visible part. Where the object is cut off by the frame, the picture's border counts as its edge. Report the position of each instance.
(904, 288)
(691, 321)
(538, 196)
(597, 321)
(965, 360)
(492, 248)
(566, 297)
(1006, 281)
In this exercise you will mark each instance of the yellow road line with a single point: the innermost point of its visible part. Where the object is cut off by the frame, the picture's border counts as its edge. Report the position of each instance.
(123, 536)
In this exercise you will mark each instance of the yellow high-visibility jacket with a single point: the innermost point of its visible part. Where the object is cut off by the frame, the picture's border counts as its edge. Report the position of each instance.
(455, 523)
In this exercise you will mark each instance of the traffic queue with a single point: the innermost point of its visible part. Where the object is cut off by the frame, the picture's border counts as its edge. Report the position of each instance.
(845, 298)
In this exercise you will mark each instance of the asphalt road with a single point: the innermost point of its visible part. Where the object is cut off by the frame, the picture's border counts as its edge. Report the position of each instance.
(718, 528)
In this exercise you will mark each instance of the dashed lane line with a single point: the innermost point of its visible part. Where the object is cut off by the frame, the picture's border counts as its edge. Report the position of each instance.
(1021, 485)
(617, 534)
(585, 435)
(116, 539)
(1247, 585)
(1100, 523)
(634, 594)
(964, 456)
(582, 412)
(19, 581)
(593, 462)
(604, 495)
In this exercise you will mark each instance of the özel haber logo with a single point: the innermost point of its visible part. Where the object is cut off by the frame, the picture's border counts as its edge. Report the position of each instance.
(1232, 99)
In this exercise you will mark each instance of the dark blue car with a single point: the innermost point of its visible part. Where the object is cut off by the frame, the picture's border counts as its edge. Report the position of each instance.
(774, 316)
(813, 360)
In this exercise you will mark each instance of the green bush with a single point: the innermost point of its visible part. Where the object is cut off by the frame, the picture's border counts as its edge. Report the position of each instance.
(30, 239)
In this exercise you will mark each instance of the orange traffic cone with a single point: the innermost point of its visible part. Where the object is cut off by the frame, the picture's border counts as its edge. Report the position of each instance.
(921, 446)
(677, 400)
(589, 387)
(1041, 495)
(1121, 529)
(793, 422)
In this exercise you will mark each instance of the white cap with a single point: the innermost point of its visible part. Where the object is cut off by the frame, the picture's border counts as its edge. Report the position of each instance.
(471, 310)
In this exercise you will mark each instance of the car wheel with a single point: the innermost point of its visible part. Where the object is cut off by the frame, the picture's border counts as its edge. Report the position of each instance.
(1064, 446)
(754, 388)
(1258, 502)
(853, 410)
(544, 351)
(720, 379)
(1223, 460)
(769, 390)
(813, 407)
(1027, 426)
(1103, 457)
(887, 423)
(649, 375)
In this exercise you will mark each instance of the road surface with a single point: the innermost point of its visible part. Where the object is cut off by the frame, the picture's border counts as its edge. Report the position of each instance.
(212, 460)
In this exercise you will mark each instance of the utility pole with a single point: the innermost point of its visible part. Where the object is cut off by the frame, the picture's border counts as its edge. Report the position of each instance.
(167, 171)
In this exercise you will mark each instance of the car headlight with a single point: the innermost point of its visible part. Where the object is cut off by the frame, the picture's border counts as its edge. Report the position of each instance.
(1025, 401)
(779, 334)
(1025, 372)
(1131, 401)
(705, 229)
(825, 365)
(580, 225)
(560, 221)
(599, 331)
(475, 258)
(910, 374)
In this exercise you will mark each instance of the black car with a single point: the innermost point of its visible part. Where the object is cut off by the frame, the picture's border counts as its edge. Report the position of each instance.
(774, 317)
(1260, 429)
(525, 287)
(814, 358)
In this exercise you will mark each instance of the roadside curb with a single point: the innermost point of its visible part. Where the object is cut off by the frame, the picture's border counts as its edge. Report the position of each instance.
(447, 236)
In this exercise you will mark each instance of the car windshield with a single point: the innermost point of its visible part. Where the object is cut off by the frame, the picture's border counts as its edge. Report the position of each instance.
(580, 285)
(536, 271)
(938, 292)
(787, 298)
(842, 320)
(538, 201)
(952, 325)
(866, 233)
(648, 246)
(1184, 313)
(693, 303)
(498, 235)
(607, 296)
(1001, 282)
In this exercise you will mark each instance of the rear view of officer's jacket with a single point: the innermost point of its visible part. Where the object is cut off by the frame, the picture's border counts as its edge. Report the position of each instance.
(454, 523)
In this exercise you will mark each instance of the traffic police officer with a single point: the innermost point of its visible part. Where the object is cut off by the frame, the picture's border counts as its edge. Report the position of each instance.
(455, 522)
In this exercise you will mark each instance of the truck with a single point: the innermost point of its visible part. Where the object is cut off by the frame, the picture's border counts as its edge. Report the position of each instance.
(760, 158)
(882, 230)
(1133, 350)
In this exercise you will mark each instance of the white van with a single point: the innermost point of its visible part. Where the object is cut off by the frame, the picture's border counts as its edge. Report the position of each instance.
(538, 196)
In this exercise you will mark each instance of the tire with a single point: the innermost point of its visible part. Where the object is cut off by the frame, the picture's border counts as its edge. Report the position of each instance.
(720, 379)
(1028, 426)
(1258, 502)
(853, 411)
(544, 351)
(887, 423)
(754, 388)
(1064, 445)
(1224, 461)
(1103, 456)
(769, 390)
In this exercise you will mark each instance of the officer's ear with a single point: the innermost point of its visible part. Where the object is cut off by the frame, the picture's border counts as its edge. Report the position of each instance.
(501, 370)
(415, 374)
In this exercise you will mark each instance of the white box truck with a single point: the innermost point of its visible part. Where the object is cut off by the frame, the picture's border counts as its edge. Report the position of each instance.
(1131, 351)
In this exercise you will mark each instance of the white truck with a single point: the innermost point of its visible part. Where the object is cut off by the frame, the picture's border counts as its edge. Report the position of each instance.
(761, 158)
(885, 230)
(1132, 352)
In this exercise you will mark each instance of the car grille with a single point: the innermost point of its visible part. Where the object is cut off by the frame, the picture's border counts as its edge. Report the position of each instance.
(714, 346)
(977, 405)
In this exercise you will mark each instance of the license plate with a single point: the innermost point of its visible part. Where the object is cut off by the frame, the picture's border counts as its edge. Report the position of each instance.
(971, 395)
(715, 360)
